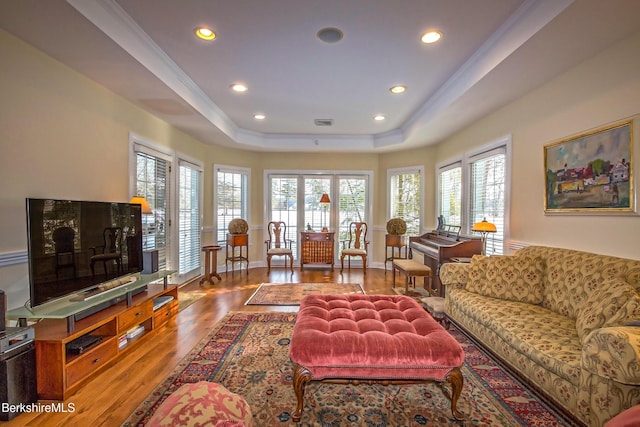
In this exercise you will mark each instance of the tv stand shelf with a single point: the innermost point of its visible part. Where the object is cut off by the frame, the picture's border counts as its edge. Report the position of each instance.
(62, 368)
(68, 307)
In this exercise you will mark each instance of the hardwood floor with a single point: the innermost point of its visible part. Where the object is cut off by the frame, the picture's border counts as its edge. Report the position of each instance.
(110, 396)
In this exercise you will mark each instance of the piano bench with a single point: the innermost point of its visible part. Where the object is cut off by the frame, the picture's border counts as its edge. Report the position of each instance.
(411, 270)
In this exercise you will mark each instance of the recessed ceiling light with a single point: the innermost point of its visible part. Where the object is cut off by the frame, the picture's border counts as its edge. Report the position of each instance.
(205, 33)
(431, 37)
(259, 116)
(239, 87)
(330, 35)
(398, 89)
(378, 117)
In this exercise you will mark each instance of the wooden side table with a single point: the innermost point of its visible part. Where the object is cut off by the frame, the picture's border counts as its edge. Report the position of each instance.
(397, 244)
(210, 264)
(239, 241)
(317, 248)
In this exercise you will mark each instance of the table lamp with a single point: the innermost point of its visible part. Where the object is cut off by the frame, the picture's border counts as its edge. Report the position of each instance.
(325, 201)
(139, 200)
(484, 227)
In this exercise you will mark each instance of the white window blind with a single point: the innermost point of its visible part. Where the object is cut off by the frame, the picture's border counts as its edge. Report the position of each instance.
(450, 194)
(231, 198)
(152, 173)
(405, 196)
(487, 201)
(189, 217)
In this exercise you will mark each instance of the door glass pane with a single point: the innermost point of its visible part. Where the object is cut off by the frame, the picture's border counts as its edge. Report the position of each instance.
(352, 204)
(316, 214)
(284, 207)
(189, 219)
(152, 183)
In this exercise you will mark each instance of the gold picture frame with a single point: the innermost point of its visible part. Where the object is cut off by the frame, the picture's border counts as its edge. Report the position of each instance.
(591, 172)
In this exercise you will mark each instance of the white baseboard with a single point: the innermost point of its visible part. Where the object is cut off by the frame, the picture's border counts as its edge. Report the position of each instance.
(12, 258)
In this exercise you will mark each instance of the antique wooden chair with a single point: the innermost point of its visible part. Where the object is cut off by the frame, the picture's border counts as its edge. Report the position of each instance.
(63, 239)
(356, 246)
(278, 244)
(111, 250)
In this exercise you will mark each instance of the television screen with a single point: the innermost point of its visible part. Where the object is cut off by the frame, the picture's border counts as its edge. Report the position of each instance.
(77, 245)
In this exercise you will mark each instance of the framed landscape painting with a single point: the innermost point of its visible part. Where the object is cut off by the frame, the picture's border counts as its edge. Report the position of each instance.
(591, 172)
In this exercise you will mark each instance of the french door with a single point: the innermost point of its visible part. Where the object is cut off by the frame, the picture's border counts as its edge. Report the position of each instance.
(296, 200)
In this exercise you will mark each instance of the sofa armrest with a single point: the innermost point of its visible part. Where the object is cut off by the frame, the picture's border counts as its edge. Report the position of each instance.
(613, 353)
(454, 274)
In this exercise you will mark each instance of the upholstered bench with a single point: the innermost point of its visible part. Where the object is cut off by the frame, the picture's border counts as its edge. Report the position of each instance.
(372, 338)
(411, 269)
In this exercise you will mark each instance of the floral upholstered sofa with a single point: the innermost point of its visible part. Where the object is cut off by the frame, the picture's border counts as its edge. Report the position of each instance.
(568, 321)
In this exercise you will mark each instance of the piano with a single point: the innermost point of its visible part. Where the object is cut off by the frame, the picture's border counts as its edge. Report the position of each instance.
(439, 246)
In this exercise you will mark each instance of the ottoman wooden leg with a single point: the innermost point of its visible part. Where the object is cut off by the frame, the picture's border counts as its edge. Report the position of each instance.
(301, 377)
(456, 380)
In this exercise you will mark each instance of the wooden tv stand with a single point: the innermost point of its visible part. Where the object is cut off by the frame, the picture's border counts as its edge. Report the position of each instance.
(61, 373)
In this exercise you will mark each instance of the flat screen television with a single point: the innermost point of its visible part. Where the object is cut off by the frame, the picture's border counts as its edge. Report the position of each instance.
(74, 246)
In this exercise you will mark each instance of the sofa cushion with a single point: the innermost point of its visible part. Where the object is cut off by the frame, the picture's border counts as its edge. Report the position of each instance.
(604, 307)
(512, 278)
(546, 338)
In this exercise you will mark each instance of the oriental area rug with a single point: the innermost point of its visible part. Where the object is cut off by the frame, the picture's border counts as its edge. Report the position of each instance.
(248, 353)
(292, 293)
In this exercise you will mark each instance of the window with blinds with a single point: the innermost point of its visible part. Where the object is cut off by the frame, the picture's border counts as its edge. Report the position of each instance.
(152, 182)
(450, 194)
(405, 197)
(189, 218)
(487, 199)
(476, 187)
(231, 198)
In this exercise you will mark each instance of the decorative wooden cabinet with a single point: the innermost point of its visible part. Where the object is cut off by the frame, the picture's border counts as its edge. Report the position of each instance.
(317, 248)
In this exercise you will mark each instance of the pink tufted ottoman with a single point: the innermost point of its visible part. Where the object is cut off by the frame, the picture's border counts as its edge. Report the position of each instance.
(372, 338)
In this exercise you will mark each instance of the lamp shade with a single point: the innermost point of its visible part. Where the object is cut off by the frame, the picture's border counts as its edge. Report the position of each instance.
(325, 198)
(139, 200)
(484, 227)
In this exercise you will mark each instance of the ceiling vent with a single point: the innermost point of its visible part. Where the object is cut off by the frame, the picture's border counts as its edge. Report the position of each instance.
(323, 122)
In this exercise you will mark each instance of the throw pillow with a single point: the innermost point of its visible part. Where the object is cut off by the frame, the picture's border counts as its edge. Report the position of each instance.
(603, 307)
(477, 274)
(514, 278)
